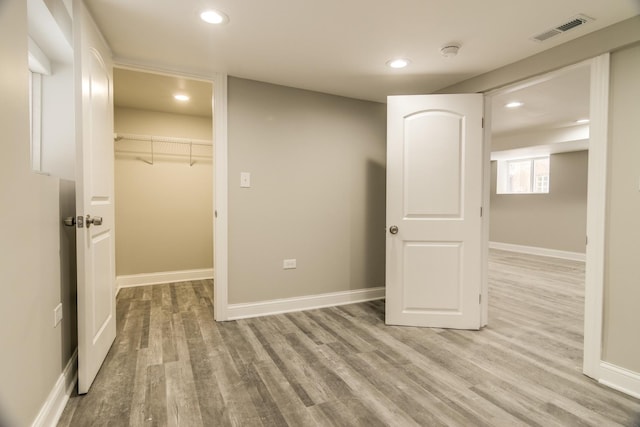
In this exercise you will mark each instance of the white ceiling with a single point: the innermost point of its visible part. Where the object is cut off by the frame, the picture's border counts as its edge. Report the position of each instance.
(550, 103)
(154, 92)
(553, 103)
(341, 47)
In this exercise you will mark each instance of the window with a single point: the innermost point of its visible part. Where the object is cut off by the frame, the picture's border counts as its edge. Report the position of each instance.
(35, 119)
(523, 176)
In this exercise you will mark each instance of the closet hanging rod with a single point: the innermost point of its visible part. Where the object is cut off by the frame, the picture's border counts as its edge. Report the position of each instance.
(152, 138)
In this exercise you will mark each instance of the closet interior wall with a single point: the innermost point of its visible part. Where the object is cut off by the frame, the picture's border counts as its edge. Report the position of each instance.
(164, 213)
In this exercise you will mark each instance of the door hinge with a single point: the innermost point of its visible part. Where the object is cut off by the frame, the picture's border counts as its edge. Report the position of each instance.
(480, 299)
(586, 240)
(483, 123)
(480, 210)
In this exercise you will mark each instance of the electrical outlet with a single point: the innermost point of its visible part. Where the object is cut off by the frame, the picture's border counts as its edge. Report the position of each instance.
(289, 264)
(57, 315)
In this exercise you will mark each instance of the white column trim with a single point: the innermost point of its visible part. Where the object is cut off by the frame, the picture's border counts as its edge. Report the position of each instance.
(220, 202)
(596, 215)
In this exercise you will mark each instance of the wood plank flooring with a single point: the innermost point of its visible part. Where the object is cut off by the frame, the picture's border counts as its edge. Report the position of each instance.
(172, 365)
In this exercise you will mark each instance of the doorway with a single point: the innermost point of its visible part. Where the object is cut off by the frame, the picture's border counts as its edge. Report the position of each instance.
(596, 196)
(163, 178)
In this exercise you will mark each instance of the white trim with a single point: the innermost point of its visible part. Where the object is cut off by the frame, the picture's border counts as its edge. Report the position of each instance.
(52, 408)
(220, 201)
(38, 60)
(534, 250)
(287, 305)
(596, 215)
(35, 114)
(147, 67)
(620, 379)
(145, 279)
(486, 210)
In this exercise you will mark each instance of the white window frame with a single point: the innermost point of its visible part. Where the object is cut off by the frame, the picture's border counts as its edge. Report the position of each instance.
(35, 120)
(502, 181)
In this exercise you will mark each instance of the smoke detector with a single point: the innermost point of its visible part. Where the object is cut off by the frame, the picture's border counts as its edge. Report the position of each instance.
(450, 50)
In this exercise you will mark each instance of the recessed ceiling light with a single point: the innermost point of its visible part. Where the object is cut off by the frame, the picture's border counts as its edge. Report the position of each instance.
(514, 104)
(214, 17)
(398, 63)
(582, 121)
(181, 97)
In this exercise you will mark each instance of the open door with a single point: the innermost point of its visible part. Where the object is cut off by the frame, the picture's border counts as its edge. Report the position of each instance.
(94, 196)
(434, 208)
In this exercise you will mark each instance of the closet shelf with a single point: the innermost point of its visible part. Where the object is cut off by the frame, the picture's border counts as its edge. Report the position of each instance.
(151, 139)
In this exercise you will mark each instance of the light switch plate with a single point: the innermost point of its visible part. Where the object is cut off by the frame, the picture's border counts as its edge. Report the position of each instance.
(289, 264)
(57, 315)
(245, 179)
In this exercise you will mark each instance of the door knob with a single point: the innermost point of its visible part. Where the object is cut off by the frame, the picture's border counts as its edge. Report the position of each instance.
(393, 229)
(69, 221)
(96, 220)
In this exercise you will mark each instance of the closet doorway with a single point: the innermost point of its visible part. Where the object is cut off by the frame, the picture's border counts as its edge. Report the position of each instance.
(163, 146)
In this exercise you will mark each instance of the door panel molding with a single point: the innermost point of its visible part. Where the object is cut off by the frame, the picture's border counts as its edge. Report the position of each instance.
(434, 195)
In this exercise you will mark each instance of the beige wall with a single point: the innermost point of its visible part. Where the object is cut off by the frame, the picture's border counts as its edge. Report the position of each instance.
(621, 345)
(164, 211)
(33, 352)
(622, 296)
(557, 220)
(58, 122)
(317, 165)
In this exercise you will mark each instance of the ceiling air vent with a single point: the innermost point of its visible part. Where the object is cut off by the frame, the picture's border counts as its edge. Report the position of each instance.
(572, 23)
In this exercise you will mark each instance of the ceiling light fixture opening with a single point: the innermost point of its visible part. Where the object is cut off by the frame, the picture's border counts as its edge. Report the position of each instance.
(398, 63)
(514, 104)
(214, 17)
(181, 97)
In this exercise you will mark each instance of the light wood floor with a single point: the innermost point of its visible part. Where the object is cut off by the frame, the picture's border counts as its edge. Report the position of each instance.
(171, 364)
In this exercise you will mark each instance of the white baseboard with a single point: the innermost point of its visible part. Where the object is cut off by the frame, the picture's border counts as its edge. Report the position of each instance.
(52, 408)
(145, 279)
(620, 379)
(287, 305)
(534, 250)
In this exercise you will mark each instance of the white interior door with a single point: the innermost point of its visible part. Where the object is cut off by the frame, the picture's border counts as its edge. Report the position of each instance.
(434, 199)
(94, 197)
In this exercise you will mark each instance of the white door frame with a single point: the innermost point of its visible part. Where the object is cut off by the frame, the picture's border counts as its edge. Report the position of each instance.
(596, 199)
(220, 199)
(220, 205)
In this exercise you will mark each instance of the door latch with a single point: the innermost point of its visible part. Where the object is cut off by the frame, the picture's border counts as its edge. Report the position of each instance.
(96, 220)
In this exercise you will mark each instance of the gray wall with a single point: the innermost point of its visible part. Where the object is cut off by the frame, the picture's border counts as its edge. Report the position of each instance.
(622, 286)
(317, 165)
(34, 352)
(557, 220)
(621, 345)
